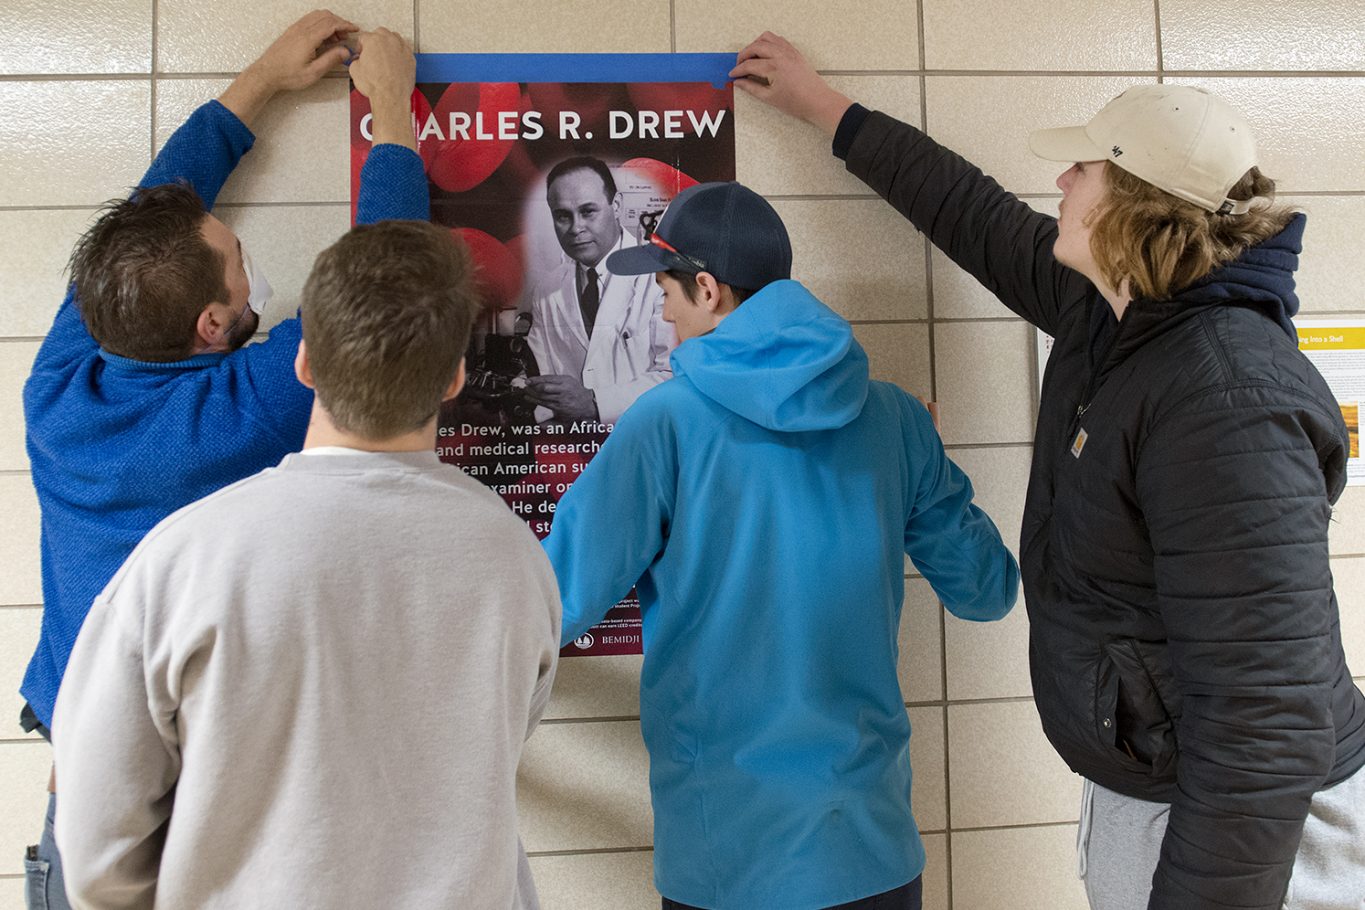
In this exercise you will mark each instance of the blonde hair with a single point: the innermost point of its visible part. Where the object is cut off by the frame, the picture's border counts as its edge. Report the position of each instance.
(1160, 244)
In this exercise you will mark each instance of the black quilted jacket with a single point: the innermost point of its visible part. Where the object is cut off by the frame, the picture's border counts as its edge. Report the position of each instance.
(1184, 644)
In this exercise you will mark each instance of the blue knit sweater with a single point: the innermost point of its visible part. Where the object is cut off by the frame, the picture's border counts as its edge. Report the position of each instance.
(116, 445)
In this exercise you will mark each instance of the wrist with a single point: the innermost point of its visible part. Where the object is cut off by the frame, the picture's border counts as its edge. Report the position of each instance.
(248, 94)
(256, 80)
(392, 122)
(828, 111)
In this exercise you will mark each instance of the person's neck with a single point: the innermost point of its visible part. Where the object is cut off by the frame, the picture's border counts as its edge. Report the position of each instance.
(323, 432)
(1118, 299)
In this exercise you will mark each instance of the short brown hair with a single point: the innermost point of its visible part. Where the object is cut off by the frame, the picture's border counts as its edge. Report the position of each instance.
(144, 272)
(1161, 244)
(387, 312)
(688, 280)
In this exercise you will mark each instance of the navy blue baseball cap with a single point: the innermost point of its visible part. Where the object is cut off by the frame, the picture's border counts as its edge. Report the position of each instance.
(725, 229)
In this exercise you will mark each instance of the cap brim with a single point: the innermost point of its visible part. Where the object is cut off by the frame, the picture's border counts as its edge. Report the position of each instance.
(638, 260)
(1067, 143)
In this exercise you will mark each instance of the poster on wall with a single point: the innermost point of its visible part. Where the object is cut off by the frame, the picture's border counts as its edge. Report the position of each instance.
(1337, 348)
(543, 165)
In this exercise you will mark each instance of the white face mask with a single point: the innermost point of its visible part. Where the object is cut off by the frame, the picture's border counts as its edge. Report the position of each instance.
(260, 290)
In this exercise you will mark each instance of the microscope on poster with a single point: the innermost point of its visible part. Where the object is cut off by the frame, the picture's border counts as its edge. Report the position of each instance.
(500, 366)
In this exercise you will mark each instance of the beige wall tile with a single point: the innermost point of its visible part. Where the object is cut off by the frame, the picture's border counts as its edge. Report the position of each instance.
(1348, 579)
(935, 878)
(597, 687)
(1307, 129)
(920, 667)
(928, 797)
(897, 353)
(18, 637)
(1328, 279)
(1346, 533)
(988, 659)
(284, 241)
(957, 295)
(585, 786)
(622, 881)
(988, 119)
(12, 892)
(16, 360)
(198, 37)
(985, 385)
(33, 270)
(779, 155)
(302, 151)
(566, 26)
(1000, 479)
(1002, 770)
(1040, 35)
(107, 36)
(24, 768)
(1263, 35)
(1017, 869)
(20, 582)
(72, 143)
(883, 35)
(858, 256)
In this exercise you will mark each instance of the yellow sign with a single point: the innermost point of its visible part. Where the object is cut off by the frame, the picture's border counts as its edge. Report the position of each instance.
(1331, 338)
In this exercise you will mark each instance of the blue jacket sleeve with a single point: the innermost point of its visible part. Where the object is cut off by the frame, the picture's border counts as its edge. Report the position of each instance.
(264, 378)
(612, 523)
(203, 151)
(393, 186)
(953, 543)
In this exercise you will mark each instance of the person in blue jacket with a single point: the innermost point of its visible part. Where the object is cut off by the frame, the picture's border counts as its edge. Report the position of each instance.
(143, 398)
(761, 502)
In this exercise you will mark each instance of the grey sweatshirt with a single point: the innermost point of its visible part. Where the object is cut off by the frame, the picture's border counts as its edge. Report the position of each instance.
(310, 689)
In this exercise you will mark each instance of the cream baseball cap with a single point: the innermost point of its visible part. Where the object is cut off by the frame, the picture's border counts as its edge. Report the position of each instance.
(1182, 139)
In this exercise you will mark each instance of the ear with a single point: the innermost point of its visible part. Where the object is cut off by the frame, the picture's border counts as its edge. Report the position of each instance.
(211, 327)
(616, 204)
(302, 368)
(456, 384)
(710, 296)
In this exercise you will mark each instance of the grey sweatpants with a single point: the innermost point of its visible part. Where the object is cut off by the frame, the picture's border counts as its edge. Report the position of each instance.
(1119, 842)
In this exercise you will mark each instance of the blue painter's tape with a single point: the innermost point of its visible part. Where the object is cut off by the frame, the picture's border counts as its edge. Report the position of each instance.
(712, 68)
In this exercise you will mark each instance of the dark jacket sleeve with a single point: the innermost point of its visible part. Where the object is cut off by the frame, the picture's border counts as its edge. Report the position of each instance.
(997, 239)
(1231, 486)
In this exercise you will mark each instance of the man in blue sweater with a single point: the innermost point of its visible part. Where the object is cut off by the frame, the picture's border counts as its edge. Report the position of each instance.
(142, 398)
(763, 498)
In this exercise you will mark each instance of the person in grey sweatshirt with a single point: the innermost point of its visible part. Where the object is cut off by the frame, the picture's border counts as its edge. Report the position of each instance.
(312, 688)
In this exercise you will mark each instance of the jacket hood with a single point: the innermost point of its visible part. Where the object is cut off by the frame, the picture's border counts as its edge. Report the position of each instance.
(1262, 277)
(783, 360)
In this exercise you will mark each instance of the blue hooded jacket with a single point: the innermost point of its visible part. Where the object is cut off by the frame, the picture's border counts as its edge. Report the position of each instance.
(763, 499)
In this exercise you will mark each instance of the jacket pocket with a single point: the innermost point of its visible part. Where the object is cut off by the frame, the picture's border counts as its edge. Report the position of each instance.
(1132, 718)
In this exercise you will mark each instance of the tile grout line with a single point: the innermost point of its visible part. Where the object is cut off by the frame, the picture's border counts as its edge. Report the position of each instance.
(597, 851)
(933, 396)
(151, 118)
(672, 26)
(924, 239)
(945, 73)
(416, 27)
(1160, 53)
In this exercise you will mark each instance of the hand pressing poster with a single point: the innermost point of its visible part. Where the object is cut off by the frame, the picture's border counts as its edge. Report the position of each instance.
(544, 165)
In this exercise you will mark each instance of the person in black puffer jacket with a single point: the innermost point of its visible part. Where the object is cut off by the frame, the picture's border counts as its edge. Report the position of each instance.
(1185, 643)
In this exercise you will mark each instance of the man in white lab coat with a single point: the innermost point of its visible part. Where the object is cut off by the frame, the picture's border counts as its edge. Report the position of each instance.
(599, 339)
